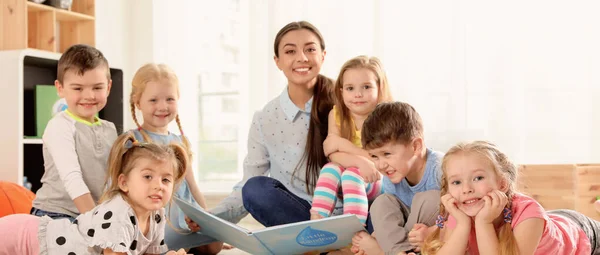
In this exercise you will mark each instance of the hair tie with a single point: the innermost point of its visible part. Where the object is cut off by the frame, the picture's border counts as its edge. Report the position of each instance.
(507, 215)
(133, 143)
(128, 144)
(440, 221)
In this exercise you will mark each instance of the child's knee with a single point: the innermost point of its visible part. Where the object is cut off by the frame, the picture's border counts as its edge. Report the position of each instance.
(383, 203)
(430, 198)
(351, 171)
(332, 166)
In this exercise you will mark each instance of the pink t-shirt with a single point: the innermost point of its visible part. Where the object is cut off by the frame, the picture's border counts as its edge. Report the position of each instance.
(560, 236)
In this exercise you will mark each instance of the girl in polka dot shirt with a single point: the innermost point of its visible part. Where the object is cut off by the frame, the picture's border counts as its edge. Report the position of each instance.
(130, 218)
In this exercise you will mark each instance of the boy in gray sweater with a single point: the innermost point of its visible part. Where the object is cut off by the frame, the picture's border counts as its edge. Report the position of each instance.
(76, 141)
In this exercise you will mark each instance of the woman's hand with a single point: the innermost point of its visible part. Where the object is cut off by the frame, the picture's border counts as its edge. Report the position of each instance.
(194, 227)
(494, 202)
(450, 203)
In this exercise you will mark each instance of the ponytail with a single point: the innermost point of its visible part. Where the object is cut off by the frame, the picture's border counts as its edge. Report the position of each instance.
(317, 131)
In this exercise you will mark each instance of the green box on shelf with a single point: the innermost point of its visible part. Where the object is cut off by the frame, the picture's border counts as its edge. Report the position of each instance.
(47, 104)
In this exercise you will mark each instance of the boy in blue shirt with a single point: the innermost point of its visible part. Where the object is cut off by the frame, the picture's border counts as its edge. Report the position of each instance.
(393, 136)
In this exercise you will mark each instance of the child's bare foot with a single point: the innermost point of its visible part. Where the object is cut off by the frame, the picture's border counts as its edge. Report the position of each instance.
(363, 242)
(315, 215)
(342, 251)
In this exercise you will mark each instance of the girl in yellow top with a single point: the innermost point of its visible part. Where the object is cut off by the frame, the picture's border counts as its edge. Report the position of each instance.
(361, 85)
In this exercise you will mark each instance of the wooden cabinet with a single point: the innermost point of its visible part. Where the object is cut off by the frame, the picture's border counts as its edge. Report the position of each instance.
(25, 24)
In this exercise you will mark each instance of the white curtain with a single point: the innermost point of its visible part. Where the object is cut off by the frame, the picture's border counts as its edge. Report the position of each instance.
(523, 74)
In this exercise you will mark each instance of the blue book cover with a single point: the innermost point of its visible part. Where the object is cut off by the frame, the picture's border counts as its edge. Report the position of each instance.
(296, 238)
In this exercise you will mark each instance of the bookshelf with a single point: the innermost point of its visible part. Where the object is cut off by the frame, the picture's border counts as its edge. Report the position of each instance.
(44, 27)
(22, 70)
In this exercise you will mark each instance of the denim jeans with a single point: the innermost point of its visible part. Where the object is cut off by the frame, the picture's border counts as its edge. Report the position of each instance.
(53, 215)
(272, 204)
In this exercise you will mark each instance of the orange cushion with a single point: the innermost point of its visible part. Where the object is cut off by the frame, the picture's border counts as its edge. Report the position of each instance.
(14, 199)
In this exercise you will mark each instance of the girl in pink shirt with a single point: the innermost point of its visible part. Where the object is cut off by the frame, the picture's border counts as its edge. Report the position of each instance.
(480, 207)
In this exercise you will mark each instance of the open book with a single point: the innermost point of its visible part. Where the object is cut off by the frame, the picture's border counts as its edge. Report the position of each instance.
(296, 238)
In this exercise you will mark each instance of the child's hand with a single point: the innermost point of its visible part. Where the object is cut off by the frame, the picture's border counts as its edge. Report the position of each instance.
(194, 227)
(449, 203)
(417, 235)
(495, 201)
(368, 171)
(179, 252)
(330, 145)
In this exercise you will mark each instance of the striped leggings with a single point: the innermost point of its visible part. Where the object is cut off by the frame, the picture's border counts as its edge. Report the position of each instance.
(355, 192)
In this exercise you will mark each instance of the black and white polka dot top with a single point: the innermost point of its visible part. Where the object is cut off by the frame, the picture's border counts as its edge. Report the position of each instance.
(112, 224)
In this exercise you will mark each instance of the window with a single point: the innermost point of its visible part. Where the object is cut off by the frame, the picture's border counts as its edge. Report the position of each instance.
(219, 93)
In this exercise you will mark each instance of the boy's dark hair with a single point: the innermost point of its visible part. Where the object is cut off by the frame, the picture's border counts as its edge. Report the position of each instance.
(396, 122)
(80, 58)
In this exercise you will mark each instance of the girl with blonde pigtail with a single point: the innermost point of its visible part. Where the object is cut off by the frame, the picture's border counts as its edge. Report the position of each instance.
(130, 218)
(155, 93)
(480, 207)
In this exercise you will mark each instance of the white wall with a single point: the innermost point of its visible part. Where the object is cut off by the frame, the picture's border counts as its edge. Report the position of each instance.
(522, 74)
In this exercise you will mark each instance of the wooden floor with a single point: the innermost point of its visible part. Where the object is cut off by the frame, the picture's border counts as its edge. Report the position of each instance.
(248, 222)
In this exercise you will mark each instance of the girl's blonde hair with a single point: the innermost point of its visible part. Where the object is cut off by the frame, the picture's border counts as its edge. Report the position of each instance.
(148, 73)
(372, 64)
(127, 150)
(504, 169)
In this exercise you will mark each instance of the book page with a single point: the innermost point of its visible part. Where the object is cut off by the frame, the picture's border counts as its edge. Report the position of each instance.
(222, 230)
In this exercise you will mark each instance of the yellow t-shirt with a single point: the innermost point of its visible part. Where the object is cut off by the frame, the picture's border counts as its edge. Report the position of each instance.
(356, 139)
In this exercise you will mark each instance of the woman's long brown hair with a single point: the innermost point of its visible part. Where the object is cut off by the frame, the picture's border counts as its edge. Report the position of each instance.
(321, 105)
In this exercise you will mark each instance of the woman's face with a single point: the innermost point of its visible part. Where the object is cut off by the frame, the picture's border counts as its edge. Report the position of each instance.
(300, 57)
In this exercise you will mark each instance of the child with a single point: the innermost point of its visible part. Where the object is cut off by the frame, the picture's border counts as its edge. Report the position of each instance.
(360, 86)
(130, 218)
(480, 207)
(76, 142)
(155, 92)
(393, 136)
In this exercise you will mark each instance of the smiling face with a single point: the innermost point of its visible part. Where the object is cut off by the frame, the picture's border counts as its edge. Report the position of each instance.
(85, 94)
(300, 57)
(394, 160)
(158, 104)
(360, 90)
(470, 177)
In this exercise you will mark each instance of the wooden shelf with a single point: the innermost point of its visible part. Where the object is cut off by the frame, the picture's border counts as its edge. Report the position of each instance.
(47, 28)
(61, 15)
(33, 7)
